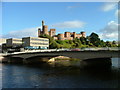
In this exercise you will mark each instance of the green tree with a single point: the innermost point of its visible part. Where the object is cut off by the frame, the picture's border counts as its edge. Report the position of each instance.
(52, 43)
(114, 43)
(71, 42)
(77, 43)
(102, 43)
(108, 44)
(83, 40)
(88, 41)
(94, 39)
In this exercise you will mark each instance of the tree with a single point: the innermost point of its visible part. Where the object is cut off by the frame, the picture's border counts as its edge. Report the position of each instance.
(94, 39)
(83, 40)
(77, 43)
(108, 44)
(102, 43)
(71, 42)
(88, 41)
(114, 43)
(52, 43)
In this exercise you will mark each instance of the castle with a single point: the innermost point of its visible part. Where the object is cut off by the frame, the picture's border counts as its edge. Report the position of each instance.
(65, 36)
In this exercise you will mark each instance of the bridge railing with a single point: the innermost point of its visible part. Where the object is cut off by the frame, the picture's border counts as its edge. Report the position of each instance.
(57, 50)
(102, 48)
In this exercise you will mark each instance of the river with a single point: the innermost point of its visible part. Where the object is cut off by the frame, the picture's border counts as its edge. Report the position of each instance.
(58, 76)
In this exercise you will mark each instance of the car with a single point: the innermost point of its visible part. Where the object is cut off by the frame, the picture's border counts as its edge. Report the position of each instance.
(76, 49)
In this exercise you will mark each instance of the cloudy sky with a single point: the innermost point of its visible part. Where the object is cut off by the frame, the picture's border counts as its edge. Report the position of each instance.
(21, 19)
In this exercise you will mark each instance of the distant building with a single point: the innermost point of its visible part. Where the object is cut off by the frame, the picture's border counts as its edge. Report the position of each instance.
(2, 43)
(52, 32)
(65, 36)
(13, 42)
(35, 42)
(2, 40)
(83, 34)
(15, 45)
(44, 29)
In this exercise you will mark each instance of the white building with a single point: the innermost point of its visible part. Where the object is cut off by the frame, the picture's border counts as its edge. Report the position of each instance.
(35, 42)
(13, 42)
(2, 40)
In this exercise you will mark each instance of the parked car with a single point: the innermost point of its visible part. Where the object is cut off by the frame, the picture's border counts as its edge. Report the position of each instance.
(76, 49)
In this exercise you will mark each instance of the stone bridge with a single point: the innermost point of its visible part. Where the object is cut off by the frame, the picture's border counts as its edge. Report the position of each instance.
(73, 54)
(91, 57)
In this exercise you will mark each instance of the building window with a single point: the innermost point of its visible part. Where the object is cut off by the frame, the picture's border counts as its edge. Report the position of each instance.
(38, 39)
(40, 43)
(18, 40)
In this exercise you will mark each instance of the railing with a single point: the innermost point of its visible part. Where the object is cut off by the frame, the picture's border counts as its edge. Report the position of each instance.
(102, 48)
(57, 50)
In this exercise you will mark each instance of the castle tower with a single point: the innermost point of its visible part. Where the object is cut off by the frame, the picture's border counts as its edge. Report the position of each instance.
(43, 23)
(44, 28)
(74, 34)
(83, 34)
(67, 34)
(60, 36)
(39, 32)
(52, 32)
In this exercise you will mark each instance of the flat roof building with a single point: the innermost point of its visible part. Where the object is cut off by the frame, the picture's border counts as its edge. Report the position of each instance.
(2, 40)
(13, 42)
(35, 42)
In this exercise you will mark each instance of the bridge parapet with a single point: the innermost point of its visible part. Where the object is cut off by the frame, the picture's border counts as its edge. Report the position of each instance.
(73, 54)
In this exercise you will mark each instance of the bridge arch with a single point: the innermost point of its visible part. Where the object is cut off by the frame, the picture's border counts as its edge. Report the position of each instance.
(83, 55)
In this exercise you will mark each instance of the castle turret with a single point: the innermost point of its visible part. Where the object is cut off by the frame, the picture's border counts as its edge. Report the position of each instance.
(74, 34)
(52, 32)
(67, 34)
(60, 36)
(39, 32)
(44, 28)
(43, 23)
(83, 34)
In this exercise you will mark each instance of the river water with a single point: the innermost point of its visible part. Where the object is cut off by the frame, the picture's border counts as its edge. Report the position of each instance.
(59, 76)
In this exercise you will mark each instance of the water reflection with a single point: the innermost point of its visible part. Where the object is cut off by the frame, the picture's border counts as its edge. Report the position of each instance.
(59, 75)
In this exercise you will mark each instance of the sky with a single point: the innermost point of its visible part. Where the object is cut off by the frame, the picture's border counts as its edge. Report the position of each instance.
(22, 19)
